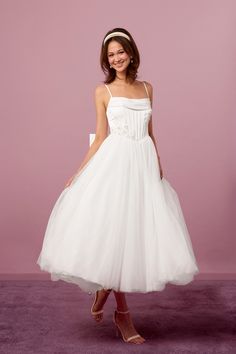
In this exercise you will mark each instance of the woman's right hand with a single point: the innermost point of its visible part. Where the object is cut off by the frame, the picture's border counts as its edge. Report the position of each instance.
(69, 181)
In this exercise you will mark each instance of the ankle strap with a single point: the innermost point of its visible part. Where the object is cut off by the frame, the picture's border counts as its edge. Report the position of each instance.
(124, 312)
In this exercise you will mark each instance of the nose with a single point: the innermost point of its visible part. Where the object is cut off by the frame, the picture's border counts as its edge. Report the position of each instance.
(117, 58)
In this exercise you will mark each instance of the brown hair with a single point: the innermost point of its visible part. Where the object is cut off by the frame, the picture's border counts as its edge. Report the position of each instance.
(129, 47)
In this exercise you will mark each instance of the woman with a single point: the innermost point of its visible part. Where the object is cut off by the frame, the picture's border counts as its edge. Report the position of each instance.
(118, 225)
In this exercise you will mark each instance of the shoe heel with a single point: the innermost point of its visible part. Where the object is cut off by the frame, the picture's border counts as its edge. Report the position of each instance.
(117, 332)
(114, 321)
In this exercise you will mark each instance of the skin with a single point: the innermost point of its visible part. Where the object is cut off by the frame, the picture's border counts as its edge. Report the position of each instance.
(119, 60)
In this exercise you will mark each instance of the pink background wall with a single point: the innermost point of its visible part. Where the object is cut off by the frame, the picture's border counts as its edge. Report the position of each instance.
(49, 70)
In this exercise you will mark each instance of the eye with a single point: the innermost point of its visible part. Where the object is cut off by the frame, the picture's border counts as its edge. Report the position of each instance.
(121, 52)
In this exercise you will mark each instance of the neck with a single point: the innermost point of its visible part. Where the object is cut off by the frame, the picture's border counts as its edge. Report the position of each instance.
(121, 76)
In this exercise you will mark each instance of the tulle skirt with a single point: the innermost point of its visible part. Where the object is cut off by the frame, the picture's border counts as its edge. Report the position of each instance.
(119, 225)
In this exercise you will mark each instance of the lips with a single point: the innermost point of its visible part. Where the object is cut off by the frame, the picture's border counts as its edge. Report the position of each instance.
(120, 64)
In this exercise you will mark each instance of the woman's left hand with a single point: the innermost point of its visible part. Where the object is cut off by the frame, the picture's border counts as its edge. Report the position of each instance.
(160, 168)
(161, 173)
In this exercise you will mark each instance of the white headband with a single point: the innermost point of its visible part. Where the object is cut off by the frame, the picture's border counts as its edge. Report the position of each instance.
(113, 34)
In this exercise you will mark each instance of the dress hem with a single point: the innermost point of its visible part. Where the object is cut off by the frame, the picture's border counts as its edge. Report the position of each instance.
(91, 286)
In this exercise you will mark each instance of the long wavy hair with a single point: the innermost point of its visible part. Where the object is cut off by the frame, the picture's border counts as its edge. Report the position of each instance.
(129, 47)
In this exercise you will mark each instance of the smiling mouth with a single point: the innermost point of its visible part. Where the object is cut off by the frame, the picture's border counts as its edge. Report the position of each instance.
(120, 64)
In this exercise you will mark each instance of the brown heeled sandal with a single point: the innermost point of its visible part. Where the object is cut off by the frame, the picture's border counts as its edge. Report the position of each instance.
(95, 313)
(118, 329)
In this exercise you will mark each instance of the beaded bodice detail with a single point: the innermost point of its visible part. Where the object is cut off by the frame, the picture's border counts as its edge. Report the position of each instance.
(129, 117)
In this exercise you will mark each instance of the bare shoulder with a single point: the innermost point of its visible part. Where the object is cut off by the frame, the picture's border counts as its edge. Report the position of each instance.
(149, 87)
(101, 94)
(100, 90)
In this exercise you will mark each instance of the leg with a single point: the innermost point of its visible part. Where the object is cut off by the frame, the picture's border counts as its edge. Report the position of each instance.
(99, 301)
(124, 320)
(121, 301)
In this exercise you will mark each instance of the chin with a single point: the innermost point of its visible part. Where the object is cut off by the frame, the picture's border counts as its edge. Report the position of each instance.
(121, 70)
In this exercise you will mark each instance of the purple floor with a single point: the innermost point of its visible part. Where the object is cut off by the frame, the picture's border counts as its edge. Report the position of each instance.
(54, 317)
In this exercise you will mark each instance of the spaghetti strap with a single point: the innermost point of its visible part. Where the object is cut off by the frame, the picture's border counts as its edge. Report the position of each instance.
(146, 88)
(108, 90)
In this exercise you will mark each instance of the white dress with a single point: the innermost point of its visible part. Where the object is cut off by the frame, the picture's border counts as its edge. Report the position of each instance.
(119, 225)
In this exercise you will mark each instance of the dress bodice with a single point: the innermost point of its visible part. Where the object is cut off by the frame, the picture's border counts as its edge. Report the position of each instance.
(129, 116)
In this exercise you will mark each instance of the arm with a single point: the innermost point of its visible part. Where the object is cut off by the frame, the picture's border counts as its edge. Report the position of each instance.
(101, 127)
(150, 132)
(150, 127)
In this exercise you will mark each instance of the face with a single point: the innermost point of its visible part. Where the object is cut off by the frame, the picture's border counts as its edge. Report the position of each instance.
(117, 57)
